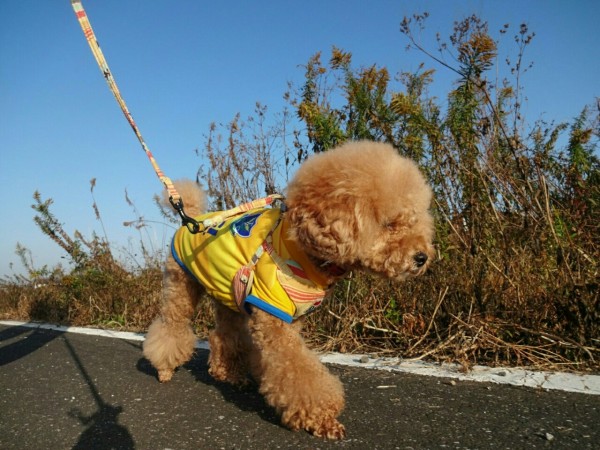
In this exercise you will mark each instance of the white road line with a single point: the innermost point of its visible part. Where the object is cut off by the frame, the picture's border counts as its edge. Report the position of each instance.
(562, 381)
(88, 331)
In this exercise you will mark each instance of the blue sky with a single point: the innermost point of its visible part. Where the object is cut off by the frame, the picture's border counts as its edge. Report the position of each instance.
(181, 65)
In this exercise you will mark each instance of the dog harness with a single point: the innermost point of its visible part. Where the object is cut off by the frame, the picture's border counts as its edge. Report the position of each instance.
(249, 259)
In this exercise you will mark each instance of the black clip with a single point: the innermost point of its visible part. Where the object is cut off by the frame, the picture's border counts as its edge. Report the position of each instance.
(192, 225)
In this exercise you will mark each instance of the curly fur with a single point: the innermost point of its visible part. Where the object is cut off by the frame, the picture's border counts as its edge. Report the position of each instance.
(358, 207)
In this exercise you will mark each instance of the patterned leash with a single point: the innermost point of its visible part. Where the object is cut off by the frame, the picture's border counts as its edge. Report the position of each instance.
(192, 225)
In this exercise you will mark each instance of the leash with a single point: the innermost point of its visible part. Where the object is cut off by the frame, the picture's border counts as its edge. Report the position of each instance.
(192, 225)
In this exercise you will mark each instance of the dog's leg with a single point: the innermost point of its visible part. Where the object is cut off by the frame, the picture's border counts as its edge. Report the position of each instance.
(229, 346)
(170, 340)
(292, 378)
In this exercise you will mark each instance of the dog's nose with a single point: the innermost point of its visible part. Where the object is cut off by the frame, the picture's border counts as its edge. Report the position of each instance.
(420, 259)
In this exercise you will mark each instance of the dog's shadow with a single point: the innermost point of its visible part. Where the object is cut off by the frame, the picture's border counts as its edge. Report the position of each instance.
(245, 398)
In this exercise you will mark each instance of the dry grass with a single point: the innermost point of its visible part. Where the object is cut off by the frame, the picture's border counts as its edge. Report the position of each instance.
(368, 315)
(96, 298)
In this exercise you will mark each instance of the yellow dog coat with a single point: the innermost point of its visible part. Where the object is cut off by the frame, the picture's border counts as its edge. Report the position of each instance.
(215, 257)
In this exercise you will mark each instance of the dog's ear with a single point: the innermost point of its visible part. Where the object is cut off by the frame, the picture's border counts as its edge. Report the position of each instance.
(326, 230)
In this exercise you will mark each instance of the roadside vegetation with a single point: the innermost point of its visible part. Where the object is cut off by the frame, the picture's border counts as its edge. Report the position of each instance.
(516, 205)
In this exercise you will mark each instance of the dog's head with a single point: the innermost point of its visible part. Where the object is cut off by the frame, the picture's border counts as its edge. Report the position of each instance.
(363, 206)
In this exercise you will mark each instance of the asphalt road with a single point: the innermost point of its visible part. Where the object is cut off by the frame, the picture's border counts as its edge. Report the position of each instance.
(63, 390)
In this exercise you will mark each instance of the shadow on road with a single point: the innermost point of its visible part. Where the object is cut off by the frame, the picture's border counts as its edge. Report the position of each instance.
(103, 429)
(23, 347)
(246, 398)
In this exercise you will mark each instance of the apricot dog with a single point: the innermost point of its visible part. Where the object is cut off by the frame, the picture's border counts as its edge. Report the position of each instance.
(360, 206)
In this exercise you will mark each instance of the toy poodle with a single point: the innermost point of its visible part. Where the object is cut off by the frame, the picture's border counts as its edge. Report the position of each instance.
(360, 206)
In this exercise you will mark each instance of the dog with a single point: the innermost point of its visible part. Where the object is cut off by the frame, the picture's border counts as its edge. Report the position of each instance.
(358, 207)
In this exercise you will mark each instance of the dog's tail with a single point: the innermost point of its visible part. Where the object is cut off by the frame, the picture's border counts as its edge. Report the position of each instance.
(192, 195)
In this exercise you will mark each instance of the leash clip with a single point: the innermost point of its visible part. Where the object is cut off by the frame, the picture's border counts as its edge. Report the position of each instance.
(191, 224)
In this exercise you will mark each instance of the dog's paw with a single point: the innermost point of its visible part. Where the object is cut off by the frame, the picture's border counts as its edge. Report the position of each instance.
(329, 428)
(165, 375)
(225, 375)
